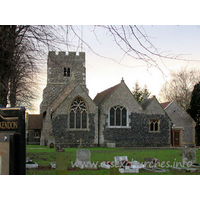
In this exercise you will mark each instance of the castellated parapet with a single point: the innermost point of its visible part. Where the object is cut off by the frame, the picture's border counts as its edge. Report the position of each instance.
(61, 68)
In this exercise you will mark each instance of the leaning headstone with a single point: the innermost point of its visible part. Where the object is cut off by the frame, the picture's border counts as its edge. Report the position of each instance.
(61, 165)
(188, 156)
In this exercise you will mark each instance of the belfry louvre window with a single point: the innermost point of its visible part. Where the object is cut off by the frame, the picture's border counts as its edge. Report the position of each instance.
(78, 114)
(118, 116)
(67, 72)
(154, 125)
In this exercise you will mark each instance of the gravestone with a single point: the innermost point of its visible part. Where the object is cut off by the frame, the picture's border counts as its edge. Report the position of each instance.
(83, 155)
(83, 159)
(188, 156)
(61, 165)
(111, 145)
(124, 166)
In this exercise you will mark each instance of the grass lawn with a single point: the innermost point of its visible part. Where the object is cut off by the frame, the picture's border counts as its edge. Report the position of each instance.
(43, 156)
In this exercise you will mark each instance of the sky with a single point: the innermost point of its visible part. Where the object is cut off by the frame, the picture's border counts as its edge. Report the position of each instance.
(105, 71)
(177, 38)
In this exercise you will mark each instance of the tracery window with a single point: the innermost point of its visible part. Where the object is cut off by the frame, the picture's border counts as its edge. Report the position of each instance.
(78, 114)
(118, 116)
(154, 125)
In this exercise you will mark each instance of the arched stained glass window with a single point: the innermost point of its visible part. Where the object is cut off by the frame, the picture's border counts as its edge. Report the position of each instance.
(118, 116)
(78, 114)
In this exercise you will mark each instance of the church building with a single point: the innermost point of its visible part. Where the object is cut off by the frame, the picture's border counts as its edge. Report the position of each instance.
(113, 116)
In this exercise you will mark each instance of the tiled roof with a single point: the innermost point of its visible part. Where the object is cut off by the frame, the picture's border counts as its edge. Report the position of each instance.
(35, 122)
(101, 97)
(165, 104)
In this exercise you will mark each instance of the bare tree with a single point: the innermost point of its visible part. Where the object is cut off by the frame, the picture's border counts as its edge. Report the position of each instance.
(180, 86)
(20, 48)
(38, 40)
(7, 45)
(23, 83)
(132, 40)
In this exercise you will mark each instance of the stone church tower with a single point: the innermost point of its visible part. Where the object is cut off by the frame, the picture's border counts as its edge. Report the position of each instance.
(69, 114)
(61, 69)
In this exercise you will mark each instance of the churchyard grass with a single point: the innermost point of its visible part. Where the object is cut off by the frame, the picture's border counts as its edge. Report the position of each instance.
(44, 156)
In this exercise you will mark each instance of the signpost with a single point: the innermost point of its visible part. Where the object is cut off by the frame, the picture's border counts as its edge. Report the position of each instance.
(0, 162)
(12, 141)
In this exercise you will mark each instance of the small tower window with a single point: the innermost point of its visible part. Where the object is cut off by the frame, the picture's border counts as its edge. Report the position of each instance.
(68, 72)
(65, 71)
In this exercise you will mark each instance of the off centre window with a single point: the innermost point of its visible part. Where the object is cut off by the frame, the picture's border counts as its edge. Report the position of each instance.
(118, 116)
(154, 125)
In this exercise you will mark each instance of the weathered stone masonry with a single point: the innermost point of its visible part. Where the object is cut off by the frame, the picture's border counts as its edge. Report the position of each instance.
(69, 138)
(138, 134)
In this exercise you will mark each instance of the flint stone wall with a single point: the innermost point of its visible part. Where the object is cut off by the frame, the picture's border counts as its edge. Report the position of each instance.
(70, 138)
(138, 134)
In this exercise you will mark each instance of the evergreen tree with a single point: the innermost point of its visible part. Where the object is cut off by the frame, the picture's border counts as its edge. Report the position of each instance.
(140, 93)
(194, 110)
